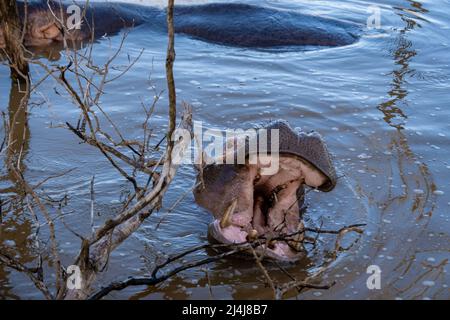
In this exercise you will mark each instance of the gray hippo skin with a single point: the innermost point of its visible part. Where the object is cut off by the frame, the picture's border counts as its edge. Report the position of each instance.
(247, 204)
(229, 24)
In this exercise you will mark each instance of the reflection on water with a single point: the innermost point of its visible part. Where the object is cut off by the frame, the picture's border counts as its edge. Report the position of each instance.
(18, 135)
(394, 114)
(381, 104)
(15, 227)
(402, 54)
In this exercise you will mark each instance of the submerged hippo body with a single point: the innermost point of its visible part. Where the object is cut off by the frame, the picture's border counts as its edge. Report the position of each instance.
(223, 23)
(253, 26)
(248, 205)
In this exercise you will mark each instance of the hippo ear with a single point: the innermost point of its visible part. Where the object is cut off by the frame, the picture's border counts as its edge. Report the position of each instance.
(50, 31)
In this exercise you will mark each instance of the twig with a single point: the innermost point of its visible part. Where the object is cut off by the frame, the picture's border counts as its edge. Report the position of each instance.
(92, 203)
(39, 284)
(154, 280)
(265, 273)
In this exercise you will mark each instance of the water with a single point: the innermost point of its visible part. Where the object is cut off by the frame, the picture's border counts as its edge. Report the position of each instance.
(382, 105)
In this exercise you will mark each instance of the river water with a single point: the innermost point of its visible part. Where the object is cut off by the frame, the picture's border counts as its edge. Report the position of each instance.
(382, 104)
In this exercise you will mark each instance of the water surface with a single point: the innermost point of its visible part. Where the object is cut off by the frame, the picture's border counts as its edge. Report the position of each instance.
(382, 105)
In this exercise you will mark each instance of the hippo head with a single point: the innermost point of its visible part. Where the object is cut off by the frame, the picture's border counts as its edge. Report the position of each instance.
(43, 23)
(249, 204)
(42, 28)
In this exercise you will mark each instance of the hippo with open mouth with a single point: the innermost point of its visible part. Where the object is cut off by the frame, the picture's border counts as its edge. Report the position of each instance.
(230, 24)
(248, 204)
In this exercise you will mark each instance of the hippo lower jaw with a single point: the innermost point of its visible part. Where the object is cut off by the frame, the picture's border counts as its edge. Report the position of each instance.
(267, 208)
(235, 235)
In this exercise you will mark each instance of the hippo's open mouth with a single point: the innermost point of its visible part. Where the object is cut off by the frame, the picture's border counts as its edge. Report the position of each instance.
(250, 202)
(268, 208)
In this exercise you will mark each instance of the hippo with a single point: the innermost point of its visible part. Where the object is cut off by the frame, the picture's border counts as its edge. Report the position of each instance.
(248, 204)
(230, 24)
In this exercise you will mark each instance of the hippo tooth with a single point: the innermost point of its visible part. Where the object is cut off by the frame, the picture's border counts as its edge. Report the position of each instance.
(272, 244)
(252, 235)
(226, 219)
(275, 197)
(297, 242)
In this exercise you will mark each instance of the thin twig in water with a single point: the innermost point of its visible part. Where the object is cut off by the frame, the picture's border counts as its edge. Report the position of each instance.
(92, 203)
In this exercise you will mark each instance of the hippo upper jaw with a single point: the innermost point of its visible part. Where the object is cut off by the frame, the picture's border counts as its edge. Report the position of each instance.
(264, 207)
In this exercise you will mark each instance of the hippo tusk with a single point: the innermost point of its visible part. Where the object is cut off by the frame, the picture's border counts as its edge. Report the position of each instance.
(226, 219)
